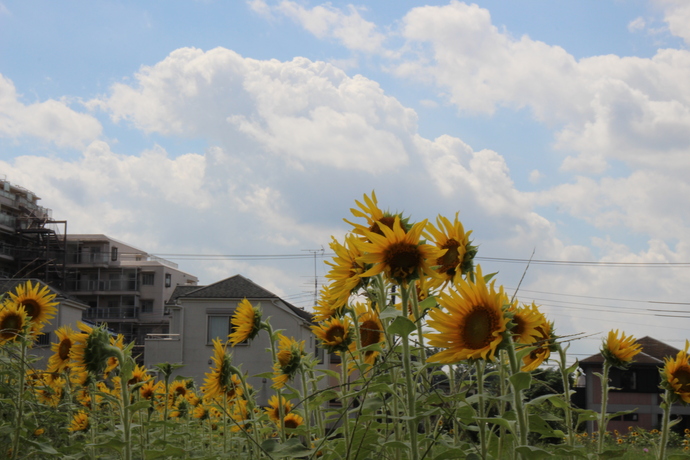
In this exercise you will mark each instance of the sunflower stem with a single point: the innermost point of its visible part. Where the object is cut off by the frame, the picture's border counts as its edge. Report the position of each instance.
(409, 382)
(274, 354)
(603, 418)
(479, 366)
(305, 398)
(125, 376)
(666, 424)
(566, 395)
(502, 404)
(20, 399)
(345, 402)
(523, 424)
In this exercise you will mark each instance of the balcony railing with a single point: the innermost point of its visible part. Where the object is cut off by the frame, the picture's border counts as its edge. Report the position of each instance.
(102, 285)
(88, 258)
(111, 313)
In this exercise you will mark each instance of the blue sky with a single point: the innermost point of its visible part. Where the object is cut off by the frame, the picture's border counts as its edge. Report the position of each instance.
(209, 127)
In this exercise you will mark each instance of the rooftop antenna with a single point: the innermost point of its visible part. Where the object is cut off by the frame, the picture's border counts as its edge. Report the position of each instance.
(316, 278)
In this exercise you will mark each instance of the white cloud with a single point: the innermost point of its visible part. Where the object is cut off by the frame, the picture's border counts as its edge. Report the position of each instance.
(637, 24)
(51, 121)
(677, 15)
(327, 21)
(535, 176)
(301, 110)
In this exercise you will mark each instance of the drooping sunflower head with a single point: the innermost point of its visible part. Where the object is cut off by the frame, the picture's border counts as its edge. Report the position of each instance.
(80, 422)
(526, 321)
(399, 254)
(346, 271)
(219, 379)
(675, 375)
(139, 374)
(91, 349)
(246, 323)
(334, 334)
(619, 351)
(13, 321)
(370, 332)
(327, 305)
(545, 344)
(273, 409)
(459, 256)
(288, 359)
(112, 362)
(59, 360)
(471, 323)
(39, 305)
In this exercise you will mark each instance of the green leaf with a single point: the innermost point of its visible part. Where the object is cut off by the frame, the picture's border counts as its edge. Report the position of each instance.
(507, 424)
(521, 380)
(558, 401)
(678, 457)
(139, 405)
(533, 453)
(539, 425)
(289, 449)
(169, 451)
(428, 303)
(612, 453)
(539, 399)
(390, 312)
(263, 375)
(401, 326)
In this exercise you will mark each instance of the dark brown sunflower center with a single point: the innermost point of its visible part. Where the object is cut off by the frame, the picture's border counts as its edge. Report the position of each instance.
(477, 332)
(31, 307)
(683, 376)
(519, 327)
(388, 221)
(335, 334)
(370, 333)
(11, 324)
(180, 391)
(63, 349)
(403, 259)
(291, 423)
(450, 260)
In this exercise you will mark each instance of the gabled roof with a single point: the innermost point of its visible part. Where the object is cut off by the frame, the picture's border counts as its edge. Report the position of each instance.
(235, 287)
(653, 352)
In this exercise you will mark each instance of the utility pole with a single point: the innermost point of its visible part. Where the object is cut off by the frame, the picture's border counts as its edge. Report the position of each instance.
(316, 278)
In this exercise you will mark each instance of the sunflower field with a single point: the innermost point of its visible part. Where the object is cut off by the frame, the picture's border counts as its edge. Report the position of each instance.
(434, 362)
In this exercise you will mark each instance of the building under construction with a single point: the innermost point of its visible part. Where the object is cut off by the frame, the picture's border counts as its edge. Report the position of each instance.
(32, 244)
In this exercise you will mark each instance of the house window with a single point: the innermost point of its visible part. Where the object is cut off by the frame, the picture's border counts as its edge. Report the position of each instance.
(43, 340)
(147, 279)
(146, 305)
(168, 280)
(219, 327)
(113, 254)
(623, 380)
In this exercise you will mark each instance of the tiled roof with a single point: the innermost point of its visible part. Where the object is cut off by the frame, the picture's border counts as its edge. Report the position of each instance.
(653, 352)
(235, 287)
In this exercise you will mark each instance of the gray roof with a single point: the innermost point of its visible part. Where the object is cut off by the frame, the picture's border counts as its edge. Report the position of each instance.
(235, 287)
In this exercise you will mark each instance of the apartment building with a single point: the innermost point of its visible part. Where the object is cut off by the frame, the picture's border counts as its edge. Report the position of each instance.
(123, 286)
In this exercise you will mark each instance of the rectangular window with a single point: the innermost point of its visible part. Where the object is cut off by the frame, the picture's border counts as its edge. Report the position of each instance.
(219, 327)
(168, 280)
(146, 305)
(43, 340)
(113, 254)
(147, 279)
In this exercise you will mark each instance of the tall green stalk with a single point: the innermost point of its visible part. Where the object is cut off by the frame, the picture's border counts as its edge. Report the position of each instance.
(566, 395)
(518, 403)
(666, 424)
(480, 366)
(20, 398)
(409, 382)
(603, 417)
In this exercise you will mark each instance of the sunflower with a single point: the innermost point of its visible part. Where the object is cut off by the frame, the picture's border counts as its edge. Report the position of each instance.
(246, 323)
(219, 380)
(619, 351)
(90, 349)
(459, 255)
(399, 254)
(112, 361)
(326, 305)
(176, 390)
(334, 334)
(80, 422)
(374, 216)
(201, 412)
(139, 374)
(37, 304)
(370, 331)
(292, 420)
(13, 321)
(52, 393)
(149, 389)
(239, 414)
(474, 324)
(288, 359)
(346, 271)
(273, 411)
(59, 361)
(676, 374)
(527, 319)
(544, 343)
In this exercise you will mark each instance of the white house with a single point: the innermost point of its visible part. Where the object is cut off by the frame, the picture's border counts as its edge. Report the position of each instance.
(199, 314)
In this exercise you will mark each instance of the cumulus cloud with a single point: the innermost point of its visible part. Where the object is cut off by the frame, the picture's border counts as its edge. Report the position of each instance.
(50, 121)
(677, 16)
(301, 110)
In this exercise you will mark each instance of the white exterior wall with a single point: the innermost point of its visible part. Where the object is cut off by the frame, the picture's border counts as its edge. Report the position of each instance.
(192, 349)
